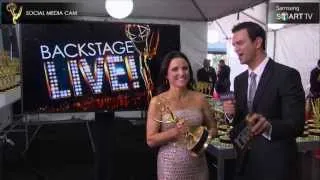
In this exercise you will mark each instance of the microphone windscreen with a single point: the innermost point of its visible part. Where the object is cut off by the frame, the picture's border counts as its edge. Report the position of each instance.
(227, 96)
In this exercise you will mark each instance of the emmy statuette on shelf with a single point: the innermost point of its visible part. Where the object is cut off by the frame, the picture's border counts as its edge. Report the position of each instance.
(315, 125)
(9, 71)
(197, 139)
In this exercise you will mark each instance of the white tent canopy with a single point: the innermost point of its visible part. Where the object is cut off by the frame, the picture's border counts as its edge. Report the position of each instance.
(296, 46)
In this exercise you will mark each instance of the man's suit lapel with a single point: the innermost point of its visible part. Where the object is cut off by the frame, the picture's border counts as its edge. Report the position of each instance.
(264, 80)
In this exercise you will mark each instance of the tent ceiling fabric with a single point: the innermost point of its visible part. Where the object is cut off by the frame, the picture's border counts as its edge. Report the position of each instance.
(214, 9)
(191, 10)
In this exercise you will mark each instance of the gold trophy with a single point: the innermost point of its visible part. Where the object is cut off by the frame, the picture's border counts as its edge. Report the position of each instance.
(4, 71)
(197, 139)
(11, 8)
(315, 126)
(204, 87)
(146, 44)
(9, 69)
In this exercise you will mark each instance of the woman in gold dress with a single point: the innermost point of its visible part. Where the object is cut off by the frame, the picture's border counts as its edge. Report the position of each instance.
(174, 160)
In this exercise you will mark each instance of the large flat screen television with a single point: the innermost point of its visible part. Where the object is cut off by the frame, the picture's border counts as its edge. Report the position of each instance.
(92, 66)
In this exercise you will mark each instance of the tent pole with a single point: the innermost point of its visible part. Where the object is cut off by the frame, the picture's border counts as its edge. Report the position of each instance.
(275, 32)
(257, 20)
(220, 27)
(274, 44)
(204, 17)
(267, 14)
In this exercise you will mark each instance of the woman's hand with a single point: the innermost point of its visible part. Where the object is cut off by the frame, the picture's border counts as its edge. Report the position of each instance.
(181, 129)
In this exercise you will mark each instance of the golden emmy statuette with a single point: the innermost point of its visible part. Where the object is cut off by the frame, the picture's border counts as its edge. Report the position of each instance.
(204, 87)
(11, 8)
(197, 138)
(315, 125)
(146, 44)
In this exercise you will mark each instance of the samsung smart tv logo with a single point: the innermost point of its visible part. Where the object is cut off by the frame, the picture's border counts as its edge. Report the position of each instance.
(294, 13)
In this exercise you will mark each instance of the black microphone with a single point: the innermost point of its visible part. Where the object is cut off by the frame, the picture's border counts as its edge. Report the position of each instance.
(227, 96)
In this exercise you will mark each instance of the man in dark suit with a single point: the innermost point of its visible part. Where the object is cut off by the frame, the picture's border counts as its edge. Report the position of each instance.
(223, 80)
(274, 95)
(315, 81)
(207, 74)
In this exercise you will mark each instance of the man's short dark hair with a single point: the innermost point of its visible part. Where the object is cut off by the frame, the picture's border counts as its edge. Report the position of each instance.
(221, 61)
(318, 62)
(254, 30)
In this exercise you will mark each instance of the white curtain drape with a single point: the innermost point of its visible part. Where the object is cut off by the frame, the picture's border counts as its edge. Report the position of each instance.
(299, 47)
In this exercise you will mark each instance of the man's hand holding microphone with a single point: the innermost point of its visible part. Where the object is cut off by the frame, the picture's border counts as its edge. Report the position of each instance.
(257, 122)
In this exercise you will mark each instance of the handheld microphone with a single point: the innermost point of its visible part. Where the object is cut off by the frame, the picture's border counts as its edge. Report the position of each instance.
(227, 96)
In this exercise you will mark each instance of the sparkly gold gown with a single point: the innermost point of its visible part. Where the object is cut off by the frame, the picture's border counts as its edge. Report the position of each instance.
(175, 162)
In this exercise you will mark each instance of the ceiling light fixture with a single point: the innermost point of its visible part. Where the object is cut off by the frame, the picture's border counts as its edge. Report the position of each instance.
(119, 9)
